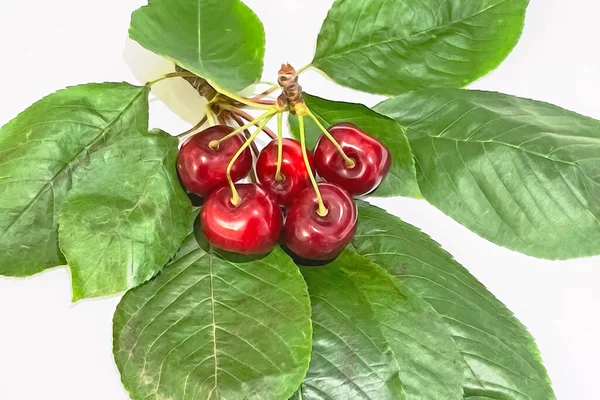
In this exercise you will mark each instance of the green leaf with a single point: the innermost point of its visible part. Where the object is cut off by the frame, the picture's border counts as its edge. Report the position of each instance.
(366, 324)
(39, 151)
(351, 357)
(125, 216)
(500, 358)
(215, 326)
(220, 40)
(523, 174)
(392, 46)
(401, 181)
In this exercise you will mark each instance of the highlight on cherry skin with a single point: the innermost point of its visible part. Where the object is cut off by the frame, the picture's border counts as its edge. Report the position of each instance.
(293, 177)
(202, 168)
(371, 159)
(320, 237)
(252, 226)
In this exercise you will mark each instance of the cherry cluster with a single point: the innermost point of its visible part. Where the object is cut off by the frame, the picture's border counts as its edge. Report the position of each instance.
(314, 223)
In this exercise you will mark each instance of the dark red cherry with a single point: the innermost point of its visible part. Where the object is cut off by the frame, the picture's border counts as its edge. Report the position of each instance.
(315, 237)
(250, 227)
(293, 171)
(203, 169)
(372, 159)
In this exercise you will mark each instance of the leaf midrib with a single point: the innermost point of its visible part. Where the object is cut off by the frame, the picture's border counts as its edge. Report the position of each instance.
(214, 325)
(514, 147)
(403, 39)
(199, 38)
(68, 165)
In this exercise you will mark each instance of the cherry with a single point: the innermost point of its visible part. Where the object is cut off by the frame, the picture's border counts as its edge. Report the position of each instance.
(203, 169)
(312, 236)
(250, 227)
(294, 177)
(372, 160)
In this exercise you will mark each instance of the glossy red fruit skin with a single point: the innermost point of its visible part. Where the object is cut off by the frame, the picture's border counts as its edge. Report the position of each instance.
(251, 227)
(203, 169)
(373, 159)
(293, 170)
(310, 236)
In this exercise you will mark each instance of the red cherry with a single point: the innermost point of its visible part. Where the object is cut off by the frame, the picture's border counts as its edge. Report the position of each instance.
(293, 171)
(250, 227)
(372, 159)
(313, 237)
(203, 169)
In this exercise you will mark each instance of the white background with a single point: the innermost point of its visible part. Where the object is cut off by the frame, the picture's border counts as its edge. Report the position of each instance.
(51, 349)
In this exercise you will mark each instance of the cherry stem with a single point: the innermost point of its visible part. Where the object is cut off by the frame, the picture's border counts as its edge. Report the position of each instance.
(263, 102)
(194, 128)
(265, 93)
(301, 70)
(235, 197)
(247, 117)
(350, 163)
(278, 176)
(272, 84)
(322, 211)
(209, 113)
(215, 143)
(172, 75)
(240, 99)
(239, 121)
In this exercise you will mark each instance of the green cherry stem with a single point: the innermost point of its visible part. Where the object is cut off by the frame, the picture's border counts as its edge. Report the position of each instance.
(172, 75)
(278, 176)
(240, 99)
(265, 93)
(194, 128)
(301, 70)
(215, 143)
(247, 117)
(267, 83)
(350, 163)
(239, 121)
(322, 211)
(235, 197)
(209, 113)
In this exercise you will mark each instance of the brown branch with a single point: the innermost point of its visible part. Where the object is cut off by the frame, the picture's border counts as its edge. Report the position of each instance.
(291, 89)
(200, 84)
(207, 91)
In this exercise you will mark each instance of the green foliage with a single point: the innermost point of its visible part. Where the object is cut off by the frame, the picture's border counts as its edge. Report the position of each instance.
(521, 173)
(350, 356)
(369, 329)
(401, 180)
(125, 216)
(500, 358)
(395, 316)
(392, 46)
(220, 40)
(215, 326)
(41, 149)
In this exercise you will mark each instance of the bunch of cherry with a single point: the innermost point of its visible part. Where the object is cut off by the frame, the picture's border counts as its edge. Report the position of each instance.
(314, 221)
